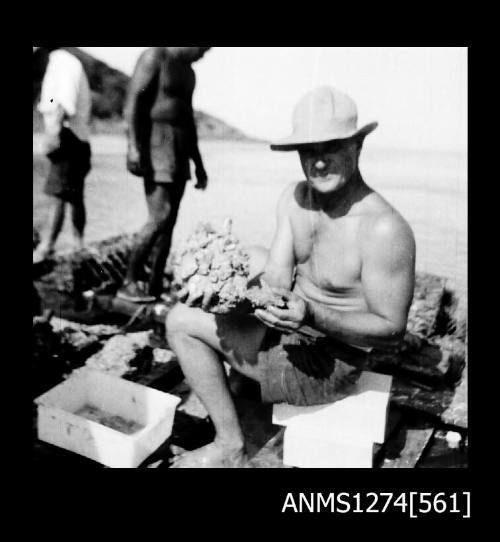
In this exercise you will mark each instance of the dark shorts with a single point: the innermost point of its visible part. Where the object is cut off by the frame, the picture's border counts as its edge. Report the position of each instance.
(302, 370)
(69, 165)
(168, 154)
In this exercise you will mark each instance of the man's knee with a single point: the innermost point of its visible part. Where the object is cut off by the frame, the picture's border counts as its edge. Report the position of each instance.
(157, 224)
(161, 219)
(181, 319)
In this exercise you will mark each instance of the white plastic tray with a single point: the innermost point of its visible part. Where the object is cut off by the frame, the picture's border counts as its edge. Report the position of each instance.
(60, 425)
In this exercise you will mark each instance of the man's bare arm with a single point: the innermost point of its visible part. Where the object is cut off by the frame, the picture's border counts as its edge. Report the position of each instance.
(53, 123)
(388, 272)
(144, 72)
(388, 260)
(278, 271)
(201, 174)
(194, 152)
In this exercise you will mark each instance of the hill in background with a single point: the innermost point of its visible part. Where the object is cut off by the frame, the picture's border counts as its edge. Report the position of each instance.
(109, 88)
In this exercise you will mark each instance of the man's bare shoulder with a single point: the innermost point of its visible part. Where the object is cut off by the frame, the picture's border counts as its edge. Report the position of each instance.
(383, 224)
(290, 197)
(149, 57)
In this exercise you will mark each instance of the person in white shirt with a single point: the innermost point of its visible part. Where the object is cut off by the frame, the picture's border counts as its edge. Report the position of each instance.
(65, 103)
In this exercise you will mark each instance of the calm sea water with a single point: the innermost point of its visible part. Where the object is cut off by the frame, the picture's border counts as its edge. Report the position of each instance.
(428, 188)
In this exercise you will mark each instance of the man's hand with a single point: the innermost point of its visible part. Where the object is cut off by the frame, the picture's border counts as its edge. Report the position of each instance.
(201, 178)
(134, 161)
(287, 320)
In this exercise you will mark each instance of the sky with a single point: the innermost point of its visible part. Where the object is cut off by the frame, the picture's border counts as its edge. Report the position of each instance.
(417, 94)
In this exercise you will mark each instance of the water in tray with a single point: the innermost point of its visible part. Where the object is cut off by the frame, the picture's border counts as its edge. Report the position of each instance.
(117, 423)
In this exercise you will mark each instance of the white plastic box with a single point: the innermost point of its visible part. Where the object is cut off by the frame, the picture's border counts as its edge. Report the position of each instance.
(149, 410)
(306, 447)
(340, 434)
(363, 414)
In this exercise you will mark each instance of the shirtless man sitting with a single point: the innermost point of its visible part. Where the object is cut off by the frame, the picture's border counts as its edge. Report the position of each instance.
(344, 260)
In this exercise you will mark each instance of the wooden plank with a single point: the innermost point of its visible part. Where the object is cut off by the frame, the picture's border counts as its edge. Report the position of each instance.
(457, 412)
(437, 362)
(414, 442)
(393, 421)
(440, 455)
(270, 456)
(446, 405)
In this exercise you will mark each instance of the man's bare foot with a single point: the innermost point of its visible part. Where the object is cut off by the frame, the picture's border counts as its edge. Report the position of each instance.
(212, 456)
(78, 244)
(43, 252)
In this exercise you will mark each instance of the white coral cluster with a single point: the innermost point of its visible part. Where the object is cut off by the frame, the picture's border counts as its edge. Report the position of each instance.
(212, 264)
(262, 297)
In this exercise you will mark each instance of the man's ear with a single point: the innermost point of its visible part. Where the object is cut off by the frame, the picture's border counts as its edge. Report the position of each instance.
(359, 144)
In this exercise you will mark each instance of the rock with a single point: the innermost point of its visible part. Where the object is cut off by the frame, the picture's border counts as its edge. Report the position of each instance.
(45, 341)
(101, 266)
(123, 353)
(101, 331)
(48, 362)
(453, 439)
(162, 355)
(426, 305)
(457, 411)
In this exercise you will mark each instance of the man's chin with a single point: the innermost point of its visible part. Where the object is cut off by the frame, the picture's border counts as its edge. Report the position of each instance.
(325, 185)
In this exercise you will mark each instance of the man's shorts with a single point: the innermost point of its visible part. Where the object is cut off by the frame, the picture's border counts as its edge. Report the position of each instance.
(308, 370)
(168, 153)
(69, 165)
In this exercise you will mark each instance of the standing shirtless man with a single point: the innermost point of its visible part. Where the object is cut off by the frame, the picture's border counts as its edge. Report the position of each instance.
(162, 140)
(344, 260)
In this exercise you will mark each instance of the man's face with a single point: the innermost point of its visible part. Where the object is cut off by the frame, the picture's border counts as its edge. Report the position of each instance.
(328, 166)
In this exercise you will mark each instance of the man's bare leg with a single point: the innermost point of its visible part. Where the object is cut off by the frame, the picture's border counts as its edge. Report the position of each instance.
(161, 248)
(57, 221)
(205, 374)
(46, 248)
(198, 338)
(79, 219)
(159, 207)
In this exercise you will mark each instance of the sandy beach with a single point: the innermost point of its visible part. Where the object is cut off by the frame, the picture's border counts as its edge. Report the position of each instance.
(245, 180)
